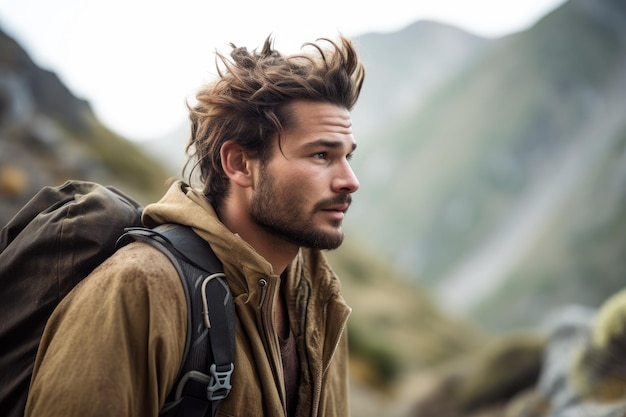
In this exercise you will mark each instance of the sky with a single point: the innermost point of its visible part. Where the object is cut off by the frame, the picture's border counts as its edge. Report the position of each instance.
(139, 61)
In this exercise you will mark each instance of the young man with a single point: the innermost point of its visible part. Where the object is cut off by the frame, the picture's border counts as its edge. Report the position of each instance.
(272, 138)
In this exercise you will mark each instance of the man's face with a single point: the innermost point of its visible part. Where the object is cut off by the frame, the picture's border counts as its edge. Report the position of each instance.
(303, 192)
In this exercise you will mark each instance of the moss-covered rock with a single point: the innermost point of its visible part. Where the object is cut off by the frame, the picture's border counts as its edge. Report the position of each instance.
(599, 371)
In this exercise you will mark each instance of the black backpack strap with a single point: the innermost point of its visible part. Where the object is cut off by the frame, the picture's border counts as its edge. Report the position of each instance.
(204, 376)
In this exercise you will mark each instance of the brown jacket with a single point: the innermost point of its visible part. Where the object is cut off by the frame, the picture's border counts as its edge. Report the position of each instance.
(114, 345)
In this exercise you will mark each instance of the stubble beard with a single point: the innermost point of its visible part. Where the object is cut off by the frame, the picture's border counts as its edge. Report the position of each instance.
(283, 216)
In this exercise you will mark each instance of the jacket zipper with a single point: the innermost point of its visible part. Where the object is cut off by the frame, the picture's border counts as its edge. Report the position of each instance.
(320, 376)
(266, 309)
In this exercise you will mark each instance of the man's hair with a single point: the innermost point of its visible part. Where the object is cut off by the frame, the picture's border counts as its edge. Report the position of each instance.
(249, 101)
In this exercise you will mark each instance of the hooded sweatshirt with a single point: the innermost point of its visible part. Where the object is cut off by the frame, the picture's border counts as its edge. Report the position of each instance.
(114, 345)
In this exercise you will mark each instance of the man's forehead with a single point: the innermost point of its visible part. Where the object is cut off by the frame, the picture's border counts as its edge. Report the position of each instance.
(322, 120)
(325, 112)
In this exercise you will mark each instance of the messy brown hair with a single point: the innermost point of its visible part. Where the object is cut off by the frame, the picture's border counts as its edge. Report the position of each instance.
(248, 102)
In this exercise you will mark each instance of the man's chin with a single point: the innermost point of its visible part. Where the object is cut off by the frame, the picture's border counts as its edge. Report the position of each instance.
(323, 238)
(328, 240)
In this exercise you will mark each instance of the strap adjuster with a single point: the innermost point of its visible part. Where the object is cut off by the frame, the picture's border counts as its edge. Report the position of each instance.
(219, 383)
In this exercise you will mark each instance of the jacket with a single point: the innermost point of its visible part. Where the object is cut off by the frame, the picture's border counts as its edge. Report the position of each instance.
(114, 345)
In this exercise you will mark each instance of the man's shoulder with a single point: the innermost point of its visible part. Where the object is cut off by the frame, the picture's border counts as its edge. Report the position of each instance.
(136, 265)
(140, 255)
(134, 280)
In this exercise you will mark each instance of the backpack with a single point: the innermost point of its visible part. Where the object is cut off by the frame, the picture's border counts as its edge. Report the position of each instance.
(57, 239)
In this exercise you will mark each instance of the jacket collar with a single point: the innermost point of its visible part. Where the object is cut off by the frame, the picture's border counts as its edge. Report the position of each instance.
(184, 205)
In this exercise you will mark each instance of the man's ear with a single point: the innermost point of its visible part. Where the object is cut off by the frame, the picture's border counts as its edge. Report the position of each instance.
(236, 164)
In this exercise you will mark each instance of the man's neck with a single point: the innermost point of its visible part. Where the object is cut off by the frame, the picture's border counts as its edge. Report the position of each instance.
(275, 250)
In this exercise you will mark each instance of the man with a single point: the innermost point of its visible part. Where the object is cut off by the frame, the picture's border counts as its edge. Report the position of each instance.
(272, 138)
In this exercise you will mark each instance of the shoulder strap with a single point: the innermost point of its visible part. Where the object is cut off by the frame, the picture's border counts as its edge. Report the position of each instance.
(204, 376)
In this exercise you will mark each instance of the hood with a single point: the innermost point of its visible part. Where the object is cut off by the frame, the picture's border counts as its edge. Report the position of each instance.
(185, 205)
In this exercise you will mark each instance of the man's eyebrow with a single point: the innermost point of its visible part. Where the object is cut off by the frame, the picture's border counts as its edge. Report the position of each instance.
(327, 143)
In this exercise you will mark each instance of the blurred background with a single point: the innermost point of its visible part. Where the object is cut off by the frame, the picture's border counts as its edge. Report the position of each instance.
(486, 249)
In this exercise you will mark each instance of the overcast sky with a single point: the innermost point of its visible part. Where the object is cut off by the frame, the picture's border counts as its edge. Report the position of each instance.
(137, 61)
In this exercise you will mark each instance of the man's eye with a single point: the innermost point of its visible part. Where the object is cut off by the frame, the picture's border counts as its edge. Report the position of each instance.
(320, 155)
(350, 156)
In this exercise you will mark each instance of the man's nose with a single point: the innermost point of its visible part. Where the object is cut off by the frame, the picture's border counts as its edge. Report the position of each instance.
(346, 181)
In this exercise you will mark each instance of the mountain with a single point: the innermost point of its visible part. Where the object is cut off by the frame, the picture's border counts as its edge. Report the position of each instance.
(419, 58)
(47, 136)
(509, 173)
(577, 251)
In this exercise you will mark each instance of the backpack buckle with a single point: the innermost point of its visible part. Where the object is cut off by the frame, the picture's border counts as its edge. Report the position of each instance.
(219, 383)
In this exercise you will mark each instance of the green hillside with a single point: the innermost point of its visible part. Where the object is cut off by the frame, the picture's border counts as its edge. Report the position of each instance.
(578, 256)
(529, 114)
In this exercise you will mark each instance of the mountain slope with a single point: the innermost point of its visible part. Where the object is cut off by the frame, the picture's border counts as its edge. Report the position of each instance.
(48, 136)
(443, 184)
(418, 58)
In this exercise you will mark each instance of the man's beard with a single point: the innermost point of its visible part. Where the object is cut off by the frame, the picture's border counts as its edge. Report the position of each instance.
(283, 216)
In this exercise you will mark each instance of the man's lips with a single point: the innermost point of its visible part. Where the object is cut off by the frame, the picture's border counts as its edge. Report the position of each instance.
(335, 211)
(338, 204)
(338, 207)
